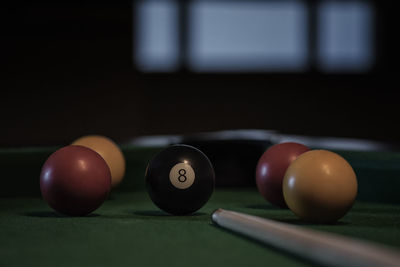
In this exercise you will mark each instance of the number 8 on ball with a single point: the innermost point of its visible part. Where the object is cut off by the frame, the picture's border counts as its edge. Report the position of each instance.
(182, 175)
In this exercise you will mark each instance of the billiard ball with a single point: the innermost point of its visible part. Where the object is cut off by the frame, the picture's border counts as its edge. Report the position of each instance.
(271, 169)
(110, 152)
(75, 180)
(320, 186)
(180, 179)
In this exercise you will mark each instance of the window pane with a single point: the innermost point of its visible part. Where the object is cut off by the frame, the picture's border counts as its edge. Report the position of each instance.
(247, 36)
(157, 35)
(345, 36)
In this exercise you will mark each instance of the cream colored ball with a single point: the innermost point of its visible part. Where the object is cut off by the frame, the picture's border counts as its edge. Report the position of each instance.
(320, 186)
(110, 152)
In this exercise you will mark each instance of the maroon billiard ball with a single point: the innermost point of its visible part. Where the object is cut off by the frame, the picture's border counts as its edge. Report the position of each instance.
(75, 180)
(271, 169)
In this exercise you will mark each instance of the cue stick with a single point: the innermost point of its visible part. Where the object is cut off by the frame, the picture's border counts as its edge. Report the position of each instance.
(322, 248)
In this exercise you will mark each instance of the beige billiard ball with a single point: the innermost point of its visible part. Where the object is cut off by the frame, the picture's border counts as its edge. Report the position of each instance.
(320, 186)
(110, 152)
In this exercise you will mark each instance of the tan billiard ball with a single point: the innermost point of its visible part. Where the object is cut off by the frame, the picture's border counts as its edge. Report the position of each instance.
(110, 152)
(320, 186)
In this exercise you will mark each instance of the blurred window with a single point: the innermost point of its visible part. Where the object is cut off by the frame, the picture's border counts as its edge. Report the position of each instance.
(157, 40)
(247, 36)
(345, 36)
(253, 36)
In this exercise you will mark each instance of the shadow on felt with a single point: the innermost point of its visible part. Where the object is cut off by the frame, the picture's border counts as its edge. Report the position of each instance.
(264, 207)
(53, 214)
(160, 213)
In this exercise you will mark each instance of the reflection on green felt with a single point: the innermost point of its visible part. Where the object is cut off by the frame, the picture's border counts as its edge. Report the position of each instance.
(128, 230)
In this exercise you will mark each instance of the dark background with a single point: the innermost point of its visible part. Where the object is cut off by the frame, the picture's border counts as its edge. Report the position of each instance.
(68, 71)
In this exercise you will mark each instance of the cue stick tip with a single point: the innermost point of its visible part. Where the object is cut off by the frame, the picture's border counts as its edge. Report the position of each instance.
(215, 214)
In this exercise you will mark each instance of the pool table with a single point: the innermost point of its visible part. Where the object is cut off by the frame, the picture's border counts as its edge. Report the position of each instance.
(129, 230)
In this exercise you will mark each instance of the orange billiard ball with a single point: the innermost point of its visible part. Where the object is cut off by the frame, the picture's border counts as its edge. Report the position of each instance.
(320, 186)
(110, 152)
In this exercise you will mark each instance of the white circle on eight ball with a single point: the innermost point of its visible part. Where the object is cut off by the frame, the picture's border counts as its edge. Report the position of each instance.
(182, 175)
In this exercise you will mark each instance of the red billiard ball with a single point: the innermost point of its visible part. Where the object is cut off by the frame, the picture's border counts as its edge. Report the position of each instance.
(75, 180)
(271, 169)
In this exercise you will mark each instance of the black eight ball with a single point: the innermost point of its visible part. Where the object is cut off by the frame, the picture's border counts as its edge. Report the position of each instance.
(180, 179)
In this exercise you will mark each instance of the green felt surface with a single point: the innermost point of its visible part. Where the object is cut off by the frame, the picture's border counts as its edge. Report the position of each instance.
(128, 230)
